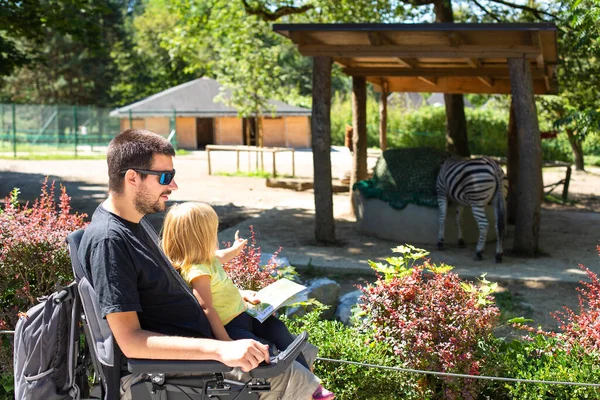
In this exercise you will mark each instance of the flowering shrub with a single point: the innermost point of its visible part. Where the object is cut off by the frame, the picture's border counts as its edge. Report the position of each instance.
(245, 269)
(432, 319)
(33, 253)
(583, 329)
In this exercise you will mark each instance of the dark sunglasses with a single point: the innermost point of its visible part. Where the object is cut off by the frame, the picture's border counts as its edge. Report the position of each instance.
(165, 177)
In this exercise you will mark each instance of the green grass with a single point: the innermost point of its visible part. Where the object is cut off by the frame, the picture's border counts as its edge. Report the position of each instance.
(252, 174)
(593, 161)
(58, 156)
(556, 199)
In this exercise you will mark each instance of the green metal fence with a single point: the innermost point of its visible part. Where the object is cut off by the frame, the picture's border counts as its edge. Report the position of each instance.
(55, 129)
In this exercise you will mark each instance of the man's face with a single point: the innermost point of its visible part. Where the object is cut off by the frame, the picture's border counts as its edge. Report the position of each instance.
(151, 197)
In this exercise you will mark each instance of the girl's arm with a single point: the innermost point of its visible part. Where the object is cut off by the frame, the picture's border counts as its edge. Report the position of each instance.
(201, 289)
(227, 254)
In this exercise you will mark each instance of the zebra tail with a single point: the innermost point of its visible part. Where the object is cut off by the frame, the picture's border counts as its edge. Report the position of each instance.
(500, 206)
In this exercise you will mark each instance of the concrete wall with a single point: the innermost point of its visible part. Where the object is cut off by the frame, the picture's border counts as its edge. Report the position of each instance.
(415, 224)
(228, 130)
(298, 132)
(186, 133)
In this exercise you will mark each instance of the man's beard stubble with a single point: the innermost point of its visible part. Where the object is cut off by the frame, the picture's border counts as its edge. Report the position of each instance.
(145, 204)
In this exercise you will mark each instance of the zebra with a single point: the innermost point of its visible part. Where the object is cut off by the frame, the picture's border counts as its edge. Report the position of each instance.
(472, 183)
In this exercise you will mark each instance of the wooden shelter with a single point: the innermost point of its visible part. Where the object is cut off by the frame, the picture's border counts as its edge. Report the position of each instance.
(517, 59)
(194, 112)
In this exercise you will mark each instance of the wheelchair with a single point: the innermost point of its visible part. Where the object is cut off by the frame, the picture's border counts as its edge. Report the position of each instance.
(155, 379)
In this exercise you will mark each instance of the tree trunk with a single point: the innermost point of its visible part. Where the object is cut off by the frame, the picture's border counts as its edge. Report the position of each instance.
(321, 147)
(359, 129)
(577, 150)
(383, 117)
(457, 140)
(512, 167)
(530, 186)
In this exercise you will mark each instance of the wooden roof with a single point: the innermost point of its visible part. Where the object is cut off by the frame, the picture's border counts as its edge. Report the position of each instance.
(436, 57)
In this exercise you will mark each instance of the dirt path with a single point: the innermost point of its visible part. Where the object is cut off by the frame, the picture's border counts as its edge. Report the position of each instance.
(236, 199)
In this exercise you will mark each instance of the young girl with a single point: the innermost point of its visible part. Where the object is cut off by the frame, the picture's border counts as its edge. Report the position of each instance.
(190, 241)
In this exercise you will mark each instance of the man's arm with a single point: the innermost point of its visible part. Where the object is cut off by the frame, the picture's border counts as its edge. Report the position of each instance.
(138, 343)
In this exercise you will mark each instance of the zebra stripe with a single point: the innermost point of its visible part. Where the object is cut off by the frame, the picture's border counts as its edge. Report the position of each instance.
(472, 183)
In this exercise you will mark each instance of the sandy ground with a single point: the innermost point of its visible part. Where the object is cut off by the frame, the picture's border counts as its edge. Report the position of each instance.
(282, 217)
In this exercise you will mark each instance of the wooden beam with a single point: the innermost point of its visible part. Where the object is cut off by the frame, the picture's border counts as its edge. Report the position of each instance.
(489, 82)
(456, 85)
(344, 61)
(412, 51)
(431, 81)
(455, 39)
(375, 38)
(436, 72)
(299, 38)
(408, 62)
(473, 62)
(536, 41)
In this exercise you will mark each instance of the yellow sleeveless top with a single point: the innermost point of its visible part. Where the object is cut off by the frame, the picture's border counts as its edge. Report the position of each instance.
(226, 297)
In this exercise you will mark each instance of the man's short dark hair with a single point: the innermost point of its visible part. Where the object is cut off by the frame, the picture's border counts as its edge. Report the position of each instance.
(133, 148)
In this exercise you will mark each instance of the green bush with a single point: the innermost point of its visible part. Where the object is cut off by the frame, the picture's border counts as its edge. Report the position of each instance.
(340, 342)
(426, 127)
(33, 258)
(544, 358)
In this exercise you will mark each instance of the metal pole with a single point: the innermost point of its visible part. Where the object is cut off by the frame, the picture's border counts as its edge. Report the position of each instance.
(75, 128)
(130, 120)
(175, 129)
(14, 129)
(274, 168)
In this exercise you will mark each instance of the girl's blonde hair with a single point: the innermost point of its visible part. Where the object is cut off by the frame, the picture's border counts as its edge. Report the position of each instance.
(190, 234)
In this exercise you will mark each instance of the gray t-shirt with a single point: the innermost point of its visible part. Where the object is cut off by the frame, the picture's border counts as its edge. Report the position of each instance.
(129, 272)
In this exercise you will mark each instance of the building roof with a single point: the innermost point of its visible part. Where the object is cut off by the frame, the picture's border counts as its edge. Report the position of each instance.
(195, 99)
(434, 57)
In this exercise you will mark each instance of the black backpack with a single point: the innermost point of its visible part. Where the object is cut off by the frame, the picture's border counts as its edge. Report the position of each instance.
(46, 348)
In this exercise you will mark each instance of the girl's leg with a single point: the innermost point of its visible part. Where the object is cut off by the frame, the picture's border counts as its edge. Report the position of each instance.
(241, 327)
(276, 332)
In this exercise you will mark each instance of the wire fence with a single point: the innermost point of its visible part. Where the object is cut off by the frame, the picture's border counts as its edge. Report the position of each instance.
(54, 129)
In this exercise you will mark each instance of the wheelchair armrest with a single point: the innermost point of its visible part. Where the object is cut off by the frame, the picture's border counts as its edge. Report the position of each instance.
(282, 361)
(175, 366)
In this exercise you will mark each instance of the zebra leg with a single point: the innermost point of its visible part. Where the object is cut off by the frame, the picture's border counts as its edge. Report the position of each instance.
(499, 209)
(499, 251)
(482, 224)
(443, 206)
(459, 213)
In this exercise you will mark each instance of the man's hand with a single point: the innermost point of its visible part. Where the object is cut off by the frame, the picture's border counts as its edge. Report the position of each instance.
(250, 296)
(245, 353)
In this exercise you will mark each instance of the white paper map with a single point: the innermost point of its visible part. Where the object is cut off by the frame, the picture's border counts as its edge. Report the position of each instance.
(278, 294)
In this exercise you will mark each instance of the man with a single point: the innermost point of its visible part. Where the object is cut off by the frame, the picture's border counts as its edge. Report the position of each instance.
(150, 310)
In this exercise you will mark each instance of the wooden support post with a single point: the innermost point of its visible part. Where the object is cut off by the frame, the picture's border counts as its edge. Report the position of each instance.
(321, 147)
(359, 128)
(383, 116)
(530, 185)
(208, 157)
(512, 167)
(565, 194)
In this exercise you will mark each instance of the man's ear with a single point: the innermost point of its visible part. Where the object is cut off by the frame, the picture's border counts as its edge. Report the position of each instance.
(132, 178)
